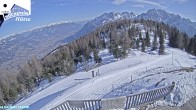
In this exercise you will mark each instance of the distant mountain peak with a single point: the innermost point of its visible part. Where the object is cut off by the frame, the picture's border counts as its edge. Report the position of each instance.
(183, 24)
(156, 10)
(118, 15)
(104, 19)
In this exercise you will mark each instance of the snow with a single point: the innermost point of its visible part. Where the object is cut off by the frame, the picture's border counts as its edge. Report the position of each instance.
(137, 73)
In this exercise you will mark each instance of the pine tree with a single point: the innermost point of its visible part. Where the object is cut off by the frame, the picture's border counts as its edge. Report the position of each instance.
(147, 39)
(2, 102)
(180, 41)
(126, 43)
(173, 37)
(140, 36)
(155, 44)
(13, 93)
(137, 44)
(176, 39)
(111, 41)
(143, 46)
(5, 90)
(191, 46)
(161, 42)
(95, 54)
(186, 41)
(194, 45)
(131, 34)
(117, 52)
(36, 68)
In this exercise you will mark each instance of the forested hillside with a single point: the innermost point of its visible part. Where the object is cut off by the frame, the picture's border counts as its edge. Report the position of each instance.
(119, 37)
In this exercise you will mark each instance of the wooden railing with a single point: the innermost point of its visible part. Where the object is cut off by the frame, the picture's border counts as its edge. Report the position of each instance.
(123, 102)
(147, 97)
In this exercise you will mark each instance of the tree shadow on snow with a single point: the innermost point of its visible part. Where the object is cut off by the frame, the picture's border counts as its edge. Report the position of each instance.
(40, 103)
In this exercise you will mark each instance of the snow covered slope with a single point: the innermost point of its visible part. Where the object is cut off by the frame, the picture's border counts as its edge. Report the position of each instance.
(137, 73)
(146, 71)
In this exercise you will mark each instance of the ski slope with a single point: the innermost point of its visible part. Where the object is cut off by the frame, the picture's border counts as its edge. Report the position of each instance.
(137, 73)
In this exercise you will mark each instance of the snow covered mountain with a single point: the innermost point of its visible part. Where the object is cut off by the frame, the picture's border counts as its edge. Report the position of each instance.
(185, 25)
(17, 48)
(101, 20)
(23, 45)
(106, 18)
(148, 70)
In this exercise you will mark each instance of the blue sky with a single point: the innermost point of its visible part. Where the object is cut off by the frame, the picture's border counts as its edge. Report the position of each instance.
(49, 11)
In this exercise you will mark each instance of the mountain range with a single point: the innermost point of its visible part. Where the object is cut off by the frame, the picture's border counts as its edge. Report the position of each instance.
(174, 20)
(183, 24)
(17, 48)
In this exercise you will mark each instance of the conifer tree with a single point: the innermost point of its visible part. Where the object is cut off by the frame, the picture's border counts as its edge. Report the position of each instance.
(147, 39)
(137, 44)
(186, 41)
(117, 52)
(5, 90)
(155, 44)
(96, 56)
(191, 46)
(131, 34)
(143, 45)
(161, 43)
(140, 36)
(195, 45)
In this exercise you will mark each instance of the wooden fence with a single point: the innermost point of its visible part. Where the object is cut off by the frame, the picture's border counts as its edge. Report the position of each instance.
(123, 102)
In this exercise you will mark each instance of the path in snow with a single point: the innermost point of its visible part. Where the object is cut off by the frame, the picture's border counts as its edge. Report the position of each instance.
(97, 87)
(145, 69)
